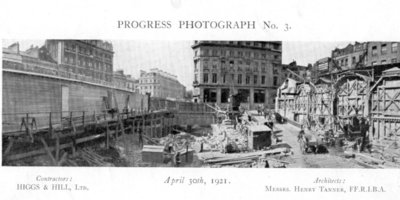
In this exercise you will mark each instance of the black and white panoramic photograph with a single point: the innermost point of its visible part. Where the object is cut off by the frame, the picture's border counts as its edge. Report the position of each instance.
(201, 104)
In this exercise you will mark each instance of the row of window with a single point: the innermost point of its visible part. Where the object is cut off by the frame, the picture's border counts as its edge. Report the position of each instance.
(86, 62)
(354, 60)
(100, 44)
(86, 51)
(246, 43)
(239, 67)
(148, 81)
(347, 50)
(247, 79)
(215, 63)
(210, 95)
(384, 49)
(86, 72)
(383, 62)
(149, 78)
(149, 87)
(235, 53)
(159, 87)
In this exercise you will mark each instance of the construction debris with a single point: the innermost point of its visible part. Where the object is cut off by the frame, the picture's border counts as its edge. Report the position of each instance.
(244, 141)
(94, 159)
(381, 154)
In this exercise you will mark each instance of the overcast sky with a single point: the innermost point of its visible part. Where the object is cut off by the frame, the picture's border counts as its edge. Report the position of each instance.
(176, 57)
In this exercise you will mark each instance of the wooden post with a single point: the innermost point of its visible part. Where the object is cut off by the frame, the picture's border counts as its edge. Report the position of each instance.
(143, 125)
(50, 126)
(151, 125)
(9, 146)
(61, 120)
(73, 147)
(117, 127)
(57, 146)
(133, 127)
(70, 118)
(95, 121)
(384, 128)
(107, 136)
(162, 126)
(187, 153)
(379, 129)
(46, 147)
(122, 126)
(169, 125)
(28, 131)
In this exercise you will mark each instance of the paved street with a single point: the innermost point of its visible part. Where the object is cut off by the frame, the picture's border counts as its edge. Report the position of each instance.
(333, 159)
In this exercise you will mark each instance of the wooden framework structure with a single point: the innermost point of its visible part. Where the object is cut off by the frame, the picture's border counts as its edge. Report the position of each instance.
(372, 93)
(321, 117)
(351, 102)
(78, 127)
(385, 106)
(302, 104)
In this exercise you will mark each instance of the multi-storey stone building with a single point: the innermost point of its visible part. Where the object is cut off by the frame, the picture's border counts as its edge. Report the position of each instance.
(92, 58)
(161, 84)
(366, 54)
(381, 53)
(122, 80)
(248, 69)
(322, 67)
(350, 57)
(130, 83)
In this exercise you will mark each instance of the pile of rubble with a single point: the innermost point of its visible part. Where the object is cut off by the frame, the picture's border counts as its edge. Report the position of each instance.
(378, 154)
(259, 159)
(228, 146)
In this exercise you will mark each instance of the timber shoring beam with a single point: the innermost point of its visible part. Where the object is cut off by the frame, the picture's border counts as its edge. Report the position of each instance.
(83, 129)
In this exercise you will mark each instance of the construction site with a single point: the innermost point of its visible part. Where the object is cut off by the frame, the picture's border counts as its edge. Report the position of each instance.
(356, 110)
(54, 117)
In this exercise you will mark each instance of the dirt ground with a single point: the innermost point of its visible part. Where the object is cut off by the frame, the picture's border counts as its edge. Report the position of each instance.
(126, 152)
(333, 159)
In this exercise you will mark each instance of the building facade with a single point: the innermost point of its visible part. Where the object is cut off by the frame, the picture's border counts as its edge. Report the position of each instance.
(298, 72)
(249, 69)
(92, 58)
(366, 54)
(350, 57)
(130, 83)
(34, 83)
(322, 67)
(161, 84)
(119, 79)
(382, 53)
(122, 80)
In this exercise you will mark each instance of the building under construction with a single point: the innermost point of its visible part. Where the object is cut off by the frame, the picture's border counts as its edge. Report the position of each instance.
(340, 100)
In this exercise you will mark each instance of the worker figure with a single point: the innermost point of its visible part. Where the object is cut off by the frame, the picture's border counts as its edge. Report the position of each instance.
(140, 138)
(364, 129)
(304, 140)
(259, 110)
(177, 159)
(235, 121)
(301, 134)
(271, 121)
(265, 113)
